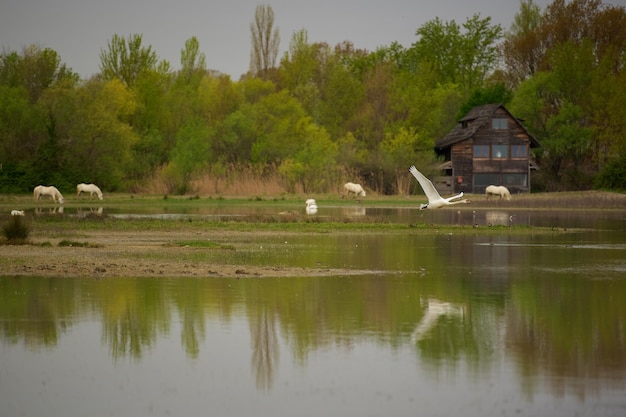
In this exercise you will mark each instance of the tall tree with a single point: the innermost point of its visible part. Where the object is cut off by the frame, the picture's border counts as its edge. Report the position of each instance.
(127, 60)
(265, 41)
(522, 49)
(459, 54)
(91, 132)
(192, 61)
(35, 69)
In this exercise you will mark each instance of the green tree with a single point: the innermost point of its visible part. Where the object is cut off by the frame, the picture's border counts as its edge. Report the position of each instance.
(494, 93)
(522, 50)
(35, 69)
(150, 123)
(462, 55)
(22, 131)
(192, 61)
(127, 60)
(91, 130)
(276, 121)
(190, 155)
(312, 164)
(608, 113)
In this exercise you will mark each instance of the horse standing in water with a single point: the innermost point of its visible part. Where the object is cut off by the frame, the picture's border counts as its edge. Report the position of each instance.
(51, 191)
(88, 188)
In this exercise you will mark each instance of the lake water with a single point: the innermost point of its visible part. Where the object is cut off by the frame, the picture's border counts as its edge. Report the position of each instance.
(442, 325)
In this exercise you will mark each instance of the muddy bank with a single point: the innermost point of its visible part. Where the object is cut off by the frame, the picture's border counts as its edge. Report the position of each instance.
(101, 254)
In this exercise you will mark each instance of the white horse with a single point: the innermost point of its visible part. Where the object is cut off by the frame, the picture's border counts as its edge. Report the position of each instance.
(354, 188)
(311, 206)
(51, 191)
(88, 188)
(17, 213)
(498, 190)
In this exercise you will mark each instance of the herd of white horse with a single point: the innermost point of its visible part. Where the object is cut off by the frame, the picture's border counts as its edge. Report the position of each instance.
(53, 193)
(434, 199)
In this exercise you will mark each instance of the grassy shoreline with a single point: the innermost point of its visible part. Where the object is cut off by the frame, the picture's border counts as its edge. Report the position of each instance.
(600, 200)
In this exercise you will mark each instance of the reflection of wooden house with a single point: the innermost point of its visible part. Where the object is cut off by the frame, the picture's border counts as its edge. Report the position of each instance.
(488, 146)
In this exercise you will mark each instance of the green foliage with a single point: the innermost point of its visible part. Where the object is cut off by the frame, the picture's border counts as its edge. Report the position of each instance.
(192, 61)
(613, 175)
(190, 155)
(127, 60)
(90, 132)
(311, 165)
(494, 93)
(461, 55)
(277, 128)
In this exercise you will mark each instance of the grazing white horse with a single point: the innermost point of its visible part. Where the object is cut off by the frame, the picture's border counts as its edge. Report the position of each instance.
(311, 206)
(354, 188)
(17, 212)
(88, 188)
(498, 190)
(435, 201)
(51, 191)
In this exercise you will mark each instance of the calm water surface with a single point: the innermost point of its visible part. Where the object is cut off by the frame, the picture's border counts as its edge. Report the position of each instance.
(445, 325)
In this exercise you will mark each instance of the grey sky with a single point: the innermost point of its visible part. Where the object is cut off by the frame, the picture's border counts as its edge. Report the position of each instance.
(79, 29)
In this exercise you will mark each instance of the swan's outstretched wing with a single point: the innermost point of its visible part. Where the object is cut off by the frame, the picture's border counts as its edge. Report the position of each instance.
(427, 185)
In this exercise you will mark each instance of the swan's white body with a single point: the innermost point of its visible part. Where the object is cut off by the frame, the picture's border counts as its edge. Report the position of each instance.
(435, 201)
(311, 206)
(17, 212)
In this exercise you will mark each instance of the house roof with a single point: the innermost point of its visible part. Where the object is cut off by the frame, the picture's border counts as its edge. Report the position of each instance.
(476, 118)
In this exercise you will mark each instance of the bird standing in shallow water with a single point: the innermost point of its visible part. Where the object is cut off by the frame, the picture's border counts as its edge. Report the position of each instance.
(311, 206)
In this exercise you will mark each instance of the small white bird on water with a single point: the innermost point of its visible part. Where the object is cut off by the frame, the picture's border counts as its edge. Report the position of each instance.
(311, 206)
(435, 201)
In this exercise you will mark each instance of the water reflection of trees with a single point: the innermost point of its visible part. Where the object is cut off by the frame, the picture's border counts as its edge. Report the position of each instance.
(134, 313)
(567, 327)
(36, 311)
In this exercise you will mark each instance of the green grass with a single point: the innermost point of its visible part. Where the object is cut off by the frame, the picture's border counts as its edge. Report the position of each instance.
(203, 244)
(75, 244)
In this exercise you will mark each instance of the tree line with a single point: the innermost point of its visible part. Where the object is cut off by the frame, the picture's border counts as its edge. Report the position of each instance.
(321, 114)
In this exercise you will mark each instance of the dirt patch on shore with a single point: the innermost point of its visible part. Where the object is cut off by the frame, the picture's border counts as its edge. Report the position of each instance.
(100, 254)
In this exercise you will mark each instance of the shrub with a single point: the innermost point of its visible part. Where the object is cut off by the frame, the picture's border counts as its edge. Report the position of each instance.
(16, 229)
(613, 175)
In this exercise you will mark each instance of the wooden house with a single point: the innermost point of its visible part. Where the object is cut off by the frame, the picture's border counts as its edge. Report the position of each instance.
(488, 146)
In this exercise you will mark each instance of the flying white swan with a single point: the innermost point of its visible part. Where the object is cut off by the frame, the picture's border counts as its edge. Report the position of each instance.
(435, 201)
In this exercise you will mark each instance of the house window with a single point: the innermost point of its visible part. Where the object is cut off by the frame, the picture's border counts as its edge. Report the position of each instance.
(519, 151)
(482, 180)
(498, 123)
(515, 179)
(481, 151)
(500, 151)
